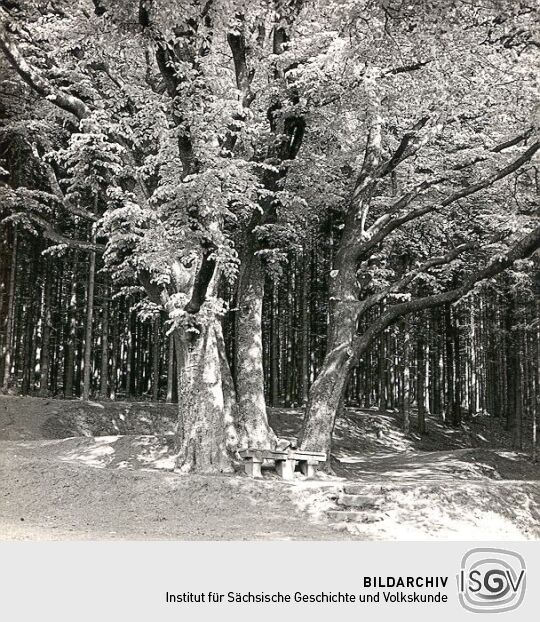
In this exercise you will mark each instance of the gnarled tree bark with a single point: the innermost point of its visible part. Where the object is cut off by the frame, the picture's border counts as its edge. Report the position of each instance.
(206, 439)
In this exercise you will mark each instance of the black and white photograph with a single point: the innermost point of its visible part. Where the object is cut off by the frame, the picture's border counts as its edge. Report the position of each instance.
(270, 270)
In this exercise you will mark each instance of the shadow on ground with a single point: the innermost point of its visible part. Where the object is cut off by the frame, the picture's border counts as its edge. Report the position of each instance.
(103, 470)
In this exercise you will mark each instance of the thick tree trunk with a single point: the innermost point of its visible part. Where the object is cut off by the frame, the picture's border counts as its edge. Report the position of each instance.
(253, 420)
(327, 390)
(207, 436)
(324, 399)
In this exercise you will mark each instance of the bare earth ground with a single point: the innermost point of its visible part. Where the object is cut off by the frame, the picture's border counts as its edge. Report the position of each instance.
(70, 470)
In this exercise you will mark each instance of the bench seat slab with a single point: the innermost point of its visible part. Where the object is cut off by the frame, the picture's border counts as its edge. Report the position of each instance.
(263, 454)
(318, 456)
(285, 461)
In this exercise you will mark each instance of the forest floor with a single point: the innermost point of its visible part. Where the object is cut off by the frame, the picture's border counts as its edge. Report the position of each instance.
(74, 470)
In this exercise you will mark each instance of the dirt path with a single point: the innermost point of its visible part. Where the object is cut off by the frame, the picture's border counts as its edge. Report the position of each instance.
(448, 465)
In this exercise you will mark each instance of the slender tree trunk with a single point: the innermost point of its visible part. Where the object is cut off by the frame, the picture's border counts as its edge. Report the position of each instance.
(406, 389)
(28, 349)
(293, 334)
(510, 366)
(131, 353)
(71, 332)
(46, 319)
(155, 358)
(5, 256)
(10, 316)
(104, 375)
(115, 351)
(89, 327)
(474, 405)
(283, 346)
(140, 348)
(170, 370)
(382, 373)
(274, 347)
(421, 381)
(57, 336)
(449, 363)
(304, 328)
(536, 402)
(518, 429)
(456, 408)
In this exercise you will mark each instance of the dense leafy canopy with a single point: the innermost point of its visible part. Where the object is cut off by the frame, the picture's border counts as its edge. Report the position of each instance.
(184, 139)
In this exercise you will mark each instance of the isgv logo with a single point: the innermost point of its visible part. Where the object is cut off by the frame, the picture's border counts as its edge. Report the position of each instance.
(491, 580)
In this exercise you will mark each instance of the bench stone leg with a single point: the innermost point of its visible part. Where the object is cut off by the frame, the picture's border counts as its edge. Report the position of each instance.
(253, 468)
(308, 468)
(285, 468)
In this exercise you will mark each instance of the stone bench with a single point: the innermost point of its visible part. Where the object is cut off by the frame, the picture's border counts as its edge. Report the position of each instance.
(285, 461)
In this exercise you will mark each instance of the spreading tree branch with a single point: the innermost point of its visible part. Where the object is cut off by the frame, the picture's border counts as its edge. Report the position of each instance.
(35, 80)
(387, 224)
(244, 78)
(202, 281)
(244, 75)
(50, 233)
(60, 197)
(490, 180)
(523, 248)
(372, 172)
(513, 141)
(401, 284)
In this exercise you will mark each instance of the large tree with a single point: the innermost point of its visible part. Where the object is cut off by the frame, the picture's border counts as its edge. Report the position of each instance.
(179, 121)
(443, 198)
(196, 143)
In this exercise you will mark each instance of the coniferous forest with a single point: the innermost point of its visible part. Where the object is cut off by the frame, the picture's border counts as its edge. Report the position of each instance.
(457, 361)
(233, 206)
